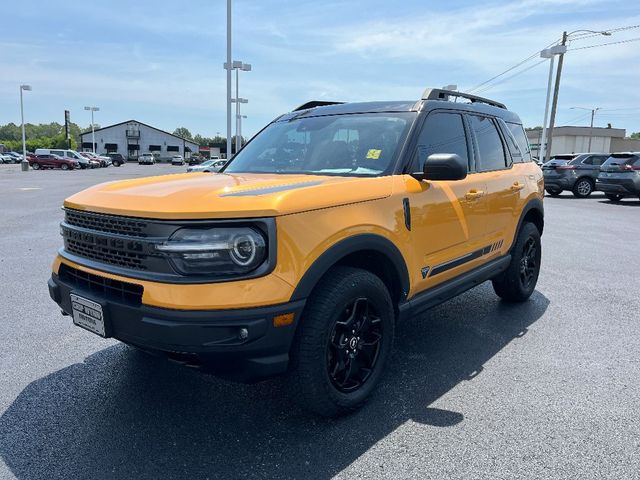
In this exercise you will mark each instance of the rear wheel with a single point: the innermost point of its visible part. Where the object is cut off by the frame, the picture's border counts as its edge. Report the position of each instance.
(343, 342)
(64, 166)
(518, 281)
(613, 197)
(583, 188)
(553, 192)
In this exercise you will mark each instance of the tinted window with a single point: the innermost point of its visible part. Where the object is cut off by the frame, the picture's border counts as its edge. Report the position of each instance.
(441, 133)
(491, 155)
(521, 137)
(620, 159)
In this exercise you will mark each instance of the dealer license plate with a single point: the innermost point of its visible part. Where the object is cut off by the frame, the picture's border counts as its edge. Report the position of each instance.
(87, 314)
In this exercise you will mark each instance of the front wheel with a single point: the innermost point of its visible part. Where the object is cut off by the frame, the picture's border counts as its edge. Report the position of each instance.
(64, 166)
(613, 197)
(36, 166)
(518, 281)
(343, 342)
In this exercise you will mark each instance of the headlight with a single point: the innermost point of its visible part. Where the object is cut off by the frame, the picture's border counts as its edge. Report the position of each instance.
(215, 251)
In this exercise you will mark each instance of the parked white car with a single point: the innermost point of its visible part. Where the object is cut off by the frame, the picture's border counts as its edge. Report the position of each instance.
(177, 160)
(146, 159)
(208, 166)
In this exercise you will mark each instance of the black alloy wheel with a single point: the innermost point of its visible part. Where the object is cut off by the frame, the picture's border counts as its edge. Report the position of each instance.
(528, 263)
(354, 346)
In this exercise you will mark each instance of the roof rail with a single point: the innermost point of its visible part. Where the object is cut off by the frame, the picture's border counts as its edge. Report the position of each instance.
(440, 94)
(315, 103)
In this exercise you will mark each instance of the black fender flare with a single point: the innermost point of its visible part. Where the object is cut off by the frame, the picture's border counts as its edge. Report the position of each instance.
(533, 204)
(338, 251)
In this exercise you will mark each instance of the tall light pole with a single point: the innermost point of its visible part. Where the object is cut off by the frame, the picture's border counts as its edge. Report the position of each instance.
(549, 53)
(556, 90)
(25, 162)
(245, 67)
(240, 117)
(227, 66)
(593, 114)
(238, 101)
(93, 133)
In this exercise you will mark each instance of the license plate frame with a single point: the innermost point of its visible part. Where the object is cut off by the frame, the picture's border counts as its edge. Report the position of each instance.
(88, 314)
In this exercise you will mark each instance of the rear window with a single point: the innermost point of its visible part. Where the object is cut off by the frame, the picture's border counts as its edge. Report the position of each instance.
(562, 157)
(621, 159)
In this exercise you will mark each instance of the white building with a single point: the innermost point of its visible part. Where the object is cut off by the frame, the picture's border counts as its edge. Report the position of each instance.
(133, 138)
(567, 139)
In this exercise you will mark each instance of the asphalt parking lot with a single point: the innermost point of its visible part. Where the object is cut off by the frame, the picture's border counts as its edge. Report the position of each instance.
(476, 388)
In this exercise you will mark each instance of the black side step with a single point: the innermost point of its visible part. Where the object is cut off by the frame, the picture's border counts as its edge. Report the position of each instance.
(451, 288)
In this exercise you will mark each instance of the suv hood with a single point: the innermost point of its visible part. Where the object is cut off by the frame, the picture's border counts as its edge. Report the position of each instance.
(206, 195)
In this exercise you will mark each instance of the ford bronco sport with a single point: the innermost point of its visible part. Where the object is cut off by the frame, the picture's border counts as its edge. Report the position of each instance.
(330, 225)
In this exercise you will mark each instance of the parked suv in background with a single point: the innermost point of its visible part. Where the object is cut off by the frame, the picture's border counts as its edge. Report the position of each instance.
(50, 160)
(331, 224)
(578, 174)
(116, 159)
(620, 176)
(146, 159)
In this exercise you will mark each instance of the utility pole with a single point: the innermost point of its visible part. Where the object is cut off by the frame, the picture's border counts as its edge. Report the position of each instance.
(593, 114)
(554, 105)
(549, 53)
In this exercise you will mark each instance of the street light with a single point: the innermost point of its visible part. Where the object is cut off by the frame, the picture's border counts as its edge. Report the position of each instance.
(240, 117)
(24, 164)
(238, 101)
(593, 114)
(237, 65)
(93, 133)
(556, 89)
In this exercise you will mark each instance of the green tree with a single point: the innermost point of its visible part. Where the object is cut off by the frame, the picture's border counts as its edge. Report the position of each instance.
(635, 135)
(183, 132)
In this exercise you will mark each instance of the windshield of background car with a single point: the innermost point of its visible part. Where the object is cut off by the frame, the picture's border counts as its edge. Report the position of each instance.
(363, 144)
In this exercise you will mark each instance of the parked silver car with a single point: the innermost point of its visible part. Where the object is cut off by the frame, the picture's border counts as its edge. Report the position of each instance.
(208, 166)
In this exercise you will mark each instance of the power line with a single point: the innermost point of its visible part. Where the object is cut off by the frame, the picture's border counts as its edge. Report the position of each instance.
(605, 44)
(489, 87)
(530, 57)
(598, 34)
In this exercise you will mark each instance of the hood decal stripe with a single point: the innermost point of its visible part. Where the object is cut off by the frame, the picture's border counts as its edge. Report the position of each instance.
(265, 191)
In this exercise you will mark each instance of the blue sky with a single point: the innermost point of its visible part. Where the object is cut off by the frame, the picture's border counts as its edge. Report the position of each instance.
(160, 62)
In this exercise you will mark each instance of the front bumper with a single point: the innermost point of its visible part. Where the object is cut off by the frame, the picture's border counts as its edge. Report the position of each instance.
(207, 339)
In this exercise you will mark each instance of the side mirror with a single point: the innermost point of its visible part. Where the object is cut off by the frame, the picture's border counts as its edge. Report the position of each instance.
(443, 166)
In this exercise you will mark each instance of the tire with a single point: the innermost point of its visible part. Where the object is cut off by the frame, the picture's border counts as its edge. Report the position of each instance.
(518, 281)
(321, 376)
(614, 197)
(116, 164)
(582, 188)
(553, 192)
(36, 166)
(64, 166)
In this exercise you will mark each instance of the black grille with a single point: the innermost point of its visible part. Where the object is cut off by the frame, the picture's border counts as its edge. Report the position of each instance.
(107, 223)
(104, 287)
(106, 255)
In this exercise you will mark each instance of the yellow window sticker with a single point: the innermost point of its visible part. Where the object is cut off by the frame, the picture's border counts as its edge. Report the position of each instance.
(373, 154)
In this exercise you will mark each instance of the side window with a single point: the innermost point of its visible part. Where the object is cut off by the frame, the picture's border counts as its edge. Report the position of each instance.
(588, 161)
(57, 152)
(490, 149)
(521, 137)
(441, 133)
(598, 160)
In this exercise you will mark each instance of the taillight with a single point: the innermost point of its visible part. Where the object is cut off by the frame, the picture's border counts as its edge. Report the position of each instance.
(567, 167)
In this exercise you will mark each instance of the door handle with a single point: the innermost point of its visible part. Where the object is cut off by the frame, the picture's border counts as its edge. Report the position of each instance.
(473, 194)
(516, 187)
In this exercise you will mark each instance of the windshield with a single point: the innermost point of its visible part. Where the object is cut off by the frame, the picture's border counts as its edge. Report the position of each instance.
(349, 145)
(207, 163)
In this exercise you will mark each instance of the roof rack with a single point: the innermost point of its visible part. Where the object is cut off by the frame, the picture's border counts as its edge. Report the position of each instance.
(440, 94)
(315, 103)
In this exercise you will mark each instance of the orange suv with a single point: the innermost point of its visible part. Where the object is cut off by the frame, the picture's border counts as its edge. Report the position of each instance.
(333, 223)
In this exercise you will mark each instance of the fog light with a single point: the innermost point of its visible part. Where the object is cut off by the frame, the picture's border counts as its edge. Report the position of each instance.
(283, 320)
(243, 334)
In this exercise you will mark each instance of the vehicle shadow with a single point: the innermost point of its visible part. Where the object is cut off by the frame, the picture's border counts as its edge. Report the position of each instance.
(122, 414)
(625, 202)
